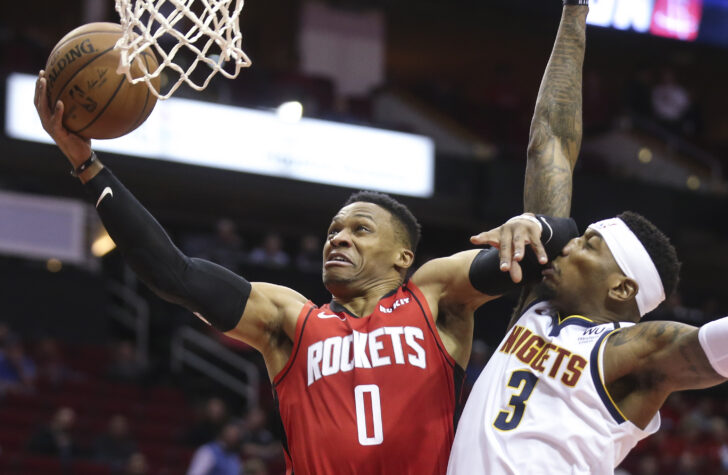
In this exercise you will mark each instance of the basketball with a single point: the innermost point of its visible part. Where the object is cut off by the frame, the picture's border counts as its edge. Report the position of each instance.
(99, 103)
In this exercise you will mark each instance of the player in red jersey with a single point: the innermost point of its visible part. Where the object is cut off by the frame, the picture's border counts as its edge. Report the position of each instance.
(368, 383)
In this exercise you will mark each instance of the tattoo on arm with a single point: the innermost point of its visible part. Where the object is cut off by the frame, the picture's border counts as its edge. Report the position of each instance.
(670, 349)
(556, 128)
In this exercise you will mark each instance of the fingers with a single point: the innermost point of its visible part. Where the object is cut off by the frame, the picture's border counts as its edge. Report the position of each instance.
(490, 238)
(506, 248)
(37, 89)
(511, 240)
(538, 248)
(57, 117)
(519, 244)
(516, 272)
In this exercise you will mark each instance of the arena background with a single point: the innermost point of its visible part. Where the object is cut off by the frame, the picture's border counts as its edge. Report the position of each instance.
(465, 73)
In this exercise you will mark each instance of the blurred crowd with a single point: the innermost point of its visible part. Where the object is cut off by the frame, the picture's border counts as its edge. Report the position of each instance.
(226, 246)
(218, 437)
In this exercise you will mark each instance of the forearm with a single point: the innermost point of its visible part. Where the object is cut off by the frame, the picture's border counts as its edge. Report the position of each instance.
(205, 288)
(556, 127)
(487, 276)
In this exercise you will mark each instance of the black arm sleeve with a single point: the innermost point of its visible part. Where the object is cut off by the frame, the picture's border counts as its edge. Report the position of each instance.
(485, 273)
(207, 289)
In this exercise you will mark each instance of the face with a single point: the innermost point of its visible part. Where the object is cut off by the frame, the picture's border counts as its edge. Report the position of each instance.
(361, 248)
(585, 271)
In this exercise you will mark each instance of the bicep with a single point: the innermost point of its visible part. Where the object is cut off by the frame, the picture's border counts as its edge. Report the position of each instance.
(270, 310)
(667, 354)
(447, 279)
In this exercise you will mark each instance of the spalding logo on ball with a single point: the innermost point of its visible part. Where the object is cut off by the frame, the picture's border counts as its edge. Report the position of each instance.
(99, 103)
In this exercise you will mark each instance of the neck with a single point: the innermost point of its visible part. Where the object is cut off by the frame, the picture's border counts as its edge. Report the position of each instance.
(594, 312)
(363, 302)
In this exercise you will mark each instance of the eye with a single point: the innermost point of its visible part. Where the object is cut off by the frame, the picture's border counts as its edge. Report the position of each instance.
(333, 231)
(361, 227)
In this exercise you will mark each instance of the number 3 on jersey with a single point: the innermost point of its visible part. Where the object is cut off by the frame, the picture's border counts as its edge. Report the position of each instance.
(524, 382)
(362, 414)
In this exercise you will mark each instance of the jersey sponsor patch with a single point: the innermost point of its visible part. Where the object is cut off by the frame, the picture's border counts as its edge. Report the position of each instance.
(591, 334)
(395, 305)
(382, 347)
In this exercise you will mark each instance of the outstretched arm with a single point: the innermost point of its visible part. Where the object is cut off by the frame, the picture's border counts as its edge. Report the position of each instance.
(225, 300)
(646, 362)
(668, 353)
(556, 127)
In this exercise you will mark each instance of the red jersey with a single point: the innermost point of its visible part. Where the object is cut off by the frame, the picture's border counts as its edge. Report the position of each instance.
(369, 395)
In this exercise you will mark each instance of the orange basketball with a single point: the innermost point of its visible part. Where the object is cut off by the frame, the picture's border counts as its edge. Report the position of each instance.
(99, 103)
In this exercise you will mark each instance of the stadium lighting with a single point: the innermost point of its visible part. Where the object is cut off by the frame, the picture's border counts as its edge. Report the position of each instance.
(291, 111)
(102, 245)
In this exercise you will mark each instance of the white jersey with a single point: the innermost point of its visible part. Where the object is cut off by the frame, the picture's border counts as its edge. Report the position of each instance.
(540, 405)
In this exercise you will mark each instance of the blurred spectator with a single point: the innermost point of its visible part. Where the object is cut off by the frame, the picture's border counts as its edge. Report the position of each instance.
(56, 438)
(638, 93)
(116, 445)
(17, 370)
(309, 254)
(597, 102)
(227, 248)
(212, 419)
(670, 101)
(271, 253)
(219, 457)
(136, 465)
(674, 310)
(649, 466)
(5, 334)
(126, 365)
(258, 441)
(51, 367)
(255, 466)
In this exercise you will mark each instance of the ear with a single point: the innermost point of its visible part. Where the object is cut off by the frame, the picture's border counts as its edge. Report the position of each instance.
(622, 288)
(405, 258)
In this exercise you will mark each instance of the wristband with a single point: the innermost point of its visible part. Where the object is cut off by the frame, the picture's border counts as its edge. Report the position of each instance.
(712, 337)
(527, 217)
(82, 167)
(576, 2)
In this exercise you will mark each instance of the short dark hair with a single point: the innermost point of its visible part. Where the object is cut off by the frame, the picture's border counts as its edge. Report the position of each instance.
(399, 212)
(658, 246)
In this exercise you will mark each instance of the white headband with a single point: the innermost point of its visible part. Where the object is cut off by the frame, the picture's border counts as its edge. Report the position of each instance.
(633, 259)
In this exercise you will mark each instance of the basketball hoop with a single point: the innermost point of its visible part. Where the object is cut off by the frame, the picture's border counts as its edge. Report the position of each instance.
(183, 40)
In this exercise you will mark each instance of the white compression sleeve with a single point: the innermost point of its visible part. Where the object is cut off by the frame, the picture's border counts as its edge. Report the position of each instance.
(713, 338)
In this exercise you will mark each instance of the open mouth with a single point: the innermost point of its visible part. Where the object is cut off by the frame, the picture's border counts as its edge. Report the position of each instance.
(337, 259)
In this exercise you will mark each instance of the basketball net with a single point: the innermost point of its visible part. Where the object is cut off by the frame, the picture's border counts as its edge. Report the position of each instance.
(183, 41)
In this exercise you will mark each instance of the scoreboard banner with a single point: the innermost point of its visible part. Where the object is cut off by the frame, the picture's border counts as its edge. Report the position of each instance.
(686, 20)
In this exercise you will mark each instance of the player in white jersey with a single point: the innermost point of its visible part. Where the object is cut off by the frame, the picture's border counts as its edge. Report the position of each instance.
(578, 380)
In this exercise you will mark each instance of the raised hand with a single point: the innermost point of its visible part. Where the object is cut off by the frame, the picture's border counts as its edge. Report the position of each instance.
(511, 240)
(76, 148)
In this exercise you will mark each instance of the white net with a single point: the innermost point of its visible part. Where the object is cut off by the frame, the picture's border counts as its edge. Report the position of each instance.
(193, 41)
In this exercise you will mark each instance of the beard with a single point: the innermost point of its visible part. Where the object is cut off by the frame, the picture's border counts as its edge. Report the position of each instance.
(544, 292)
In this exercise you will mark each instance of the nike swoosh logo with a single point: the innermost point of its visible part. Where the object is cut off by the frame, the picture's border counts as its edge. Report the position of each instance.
(328, 315)
(107, 192)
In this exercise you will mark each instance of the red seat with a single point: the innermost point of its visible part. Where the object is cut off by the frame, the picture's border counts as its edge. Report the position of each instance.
(12, 441)
(84, 467)
(19, 418)
(40, 465)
